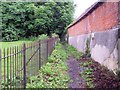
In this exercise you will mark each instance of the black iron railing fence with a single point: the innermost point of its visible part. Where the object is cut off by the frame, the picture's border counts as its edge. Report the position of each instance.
(20, 62)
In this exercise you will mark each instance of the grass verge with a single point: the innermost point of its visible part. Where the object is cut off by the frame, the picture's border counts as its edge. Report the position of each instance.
(12, 44)
(71, 51)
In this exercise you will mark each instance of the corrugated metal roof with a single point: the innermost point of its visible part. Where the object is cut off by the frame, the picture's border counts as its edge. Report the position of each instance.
(86, 13)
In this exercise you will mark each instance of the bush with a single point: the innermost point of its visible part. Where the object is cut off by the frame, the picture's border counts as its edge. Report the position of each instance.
(54, 73)
(10, 35)
(54, 35)
(42, 37)
(73, 51)
(58, 54)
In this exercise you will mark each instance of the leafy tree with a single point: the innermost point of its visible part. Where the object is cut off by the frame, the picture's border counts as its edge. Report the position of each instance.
(12, 21)
(63, 13)
(26, 19)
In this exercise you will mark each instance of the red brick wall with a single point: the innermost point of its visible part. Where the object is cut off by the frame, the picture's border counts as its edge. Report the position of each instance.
(119, 12)
(101, 19)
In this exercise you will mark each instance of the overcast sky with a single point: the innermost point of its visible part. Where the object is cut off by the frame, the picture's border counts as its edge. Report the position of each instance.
(82, 5)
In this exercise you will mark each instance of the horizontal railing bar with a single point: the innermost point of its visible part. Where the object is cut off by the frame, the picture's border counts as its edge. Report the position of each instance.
(11, 55)
(30, 59)
(31, 53)
(32, 56)
(17, 52)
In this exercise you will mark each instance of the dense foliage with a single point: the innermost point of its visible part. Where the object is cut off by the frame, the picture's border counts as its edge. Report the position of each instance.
(28, 19)
(72, 51)
(54, 73)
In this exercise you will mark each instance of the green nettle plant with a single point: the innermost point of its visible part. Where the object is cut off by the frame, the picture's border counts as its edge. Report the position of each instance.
(54, 73)
(73, 51)
(42, 37)
(87, 74)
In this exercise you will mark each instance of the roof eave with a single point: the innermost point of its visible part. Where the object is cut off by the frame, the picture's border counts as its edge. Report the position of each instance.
(86, 13)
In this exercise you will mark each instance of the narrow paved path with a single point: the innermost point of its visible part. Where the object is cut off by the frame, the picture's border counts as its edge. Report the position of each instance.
(74, 71)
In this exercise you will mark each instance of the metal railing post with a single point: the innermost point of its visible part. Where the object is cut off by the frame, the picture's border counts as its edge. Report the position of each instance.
(24, 65)
(0, 70)
(39, 54)
(47, 49)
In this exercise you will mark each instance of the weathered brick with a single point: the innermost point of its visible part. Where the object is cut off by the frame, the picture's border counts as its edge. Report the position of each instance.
(101, 19)
(119, 12)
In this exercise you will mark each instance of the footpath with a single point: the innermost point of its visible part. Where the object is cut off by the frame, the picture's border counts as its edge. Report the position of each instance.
(86, 73)
(74, 71)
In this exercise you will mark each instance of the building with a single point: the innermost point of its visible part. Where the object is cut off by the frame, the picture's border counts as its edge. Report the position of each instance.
(100, 25)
